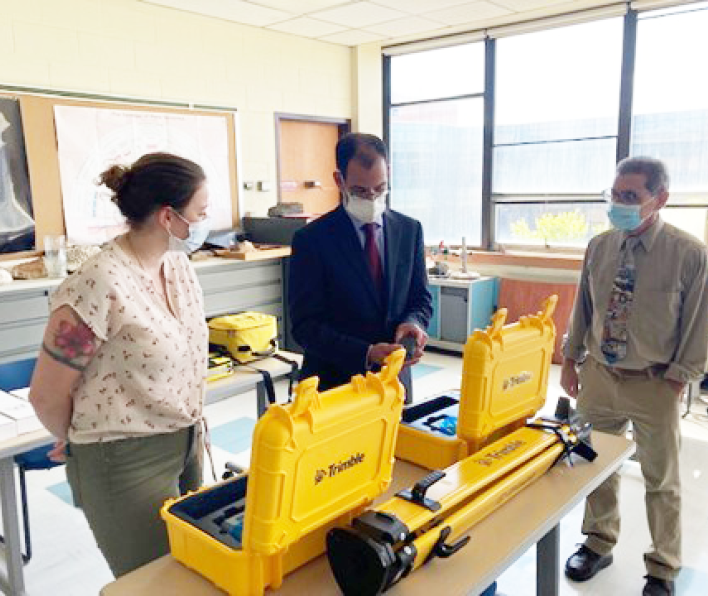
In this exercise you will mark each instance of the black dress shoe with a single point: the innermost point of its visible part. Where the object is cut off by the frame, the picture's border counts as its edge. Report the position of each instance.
(585, 564)
(658, 587)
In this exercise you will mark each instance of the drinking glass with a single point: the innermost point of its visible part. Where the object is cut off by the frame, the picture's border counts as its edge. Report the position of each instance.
(55, 255)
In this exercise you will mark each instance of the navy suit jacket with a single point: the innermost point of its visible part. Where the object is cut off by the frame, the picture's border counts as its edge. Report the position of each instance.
(335, 311)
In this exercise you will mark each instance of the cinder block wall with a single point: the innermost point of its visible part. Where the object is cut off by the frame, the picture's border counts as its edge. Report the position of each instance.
(129, 48)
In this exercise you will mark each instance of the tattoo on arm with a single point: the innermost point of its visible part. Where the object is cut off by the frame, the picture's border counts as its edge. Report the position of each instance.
(73, 344)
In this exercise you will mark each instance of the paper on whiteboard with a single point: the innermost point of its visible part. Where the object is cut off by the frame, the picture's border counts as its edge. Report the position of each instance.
(92, 139)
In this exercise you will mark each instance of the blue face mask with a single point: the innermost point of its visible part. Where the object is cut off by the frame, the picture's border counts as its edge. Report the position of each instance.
(198, 233)
(625, 217)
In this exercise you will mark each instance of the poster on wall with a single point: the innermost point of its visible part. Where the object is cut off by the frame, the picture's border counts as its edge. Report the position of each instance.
(92, 139)
(16, 216)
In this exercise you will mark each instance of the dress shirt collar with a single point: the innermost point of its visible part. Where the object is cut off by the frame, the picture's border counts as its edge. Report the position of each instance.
(649, 236)
(358, 224)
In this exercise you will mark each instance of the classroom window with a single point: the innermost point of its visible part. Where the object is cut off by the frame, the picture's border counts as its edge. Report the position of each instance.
(437, 167)
(555, 112)
(555, 133)
(564, 223)
(435, 74)
(670, 111)
(436, 128)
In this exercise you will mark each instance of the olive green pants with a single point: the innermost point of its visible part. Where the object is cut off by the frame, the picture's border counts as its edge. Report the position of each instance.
(609, 401)
(121, 486)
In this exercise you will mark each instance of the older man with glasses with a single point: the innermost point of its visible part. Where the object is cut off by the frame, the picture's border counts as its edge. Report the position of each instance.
(638, 334)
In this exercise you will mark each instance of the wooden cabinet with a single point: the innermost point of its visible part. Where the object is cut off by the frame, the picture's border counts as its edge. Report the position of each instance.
(521, 297)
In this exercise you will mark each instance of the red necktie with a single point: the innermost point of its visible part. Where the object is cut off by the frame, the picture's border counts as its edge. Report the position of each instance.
(373, 258)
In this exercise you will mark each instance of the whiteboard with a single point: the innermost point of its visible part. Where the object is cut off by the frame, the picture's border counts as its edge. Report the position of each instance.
(91, 139)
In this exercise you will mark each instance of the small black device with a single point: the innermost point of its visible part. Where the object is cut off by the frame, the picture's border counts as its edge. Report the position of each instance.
(410, 345)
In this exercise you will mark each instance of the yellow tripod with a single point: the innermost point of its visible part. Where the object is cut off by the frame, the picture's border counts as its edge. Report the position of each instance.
(385, 544)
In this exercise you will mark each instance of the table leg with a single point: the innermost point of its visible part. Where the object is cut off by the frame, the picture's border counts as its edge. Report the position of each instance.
(547, 563)
(261, 399)
(11, 528)
(693, 389)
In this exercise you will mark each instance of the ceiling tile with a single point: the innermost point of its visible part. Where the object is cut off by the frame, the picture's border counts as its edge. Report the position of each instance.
(302, 6)
(526, 5)
(405, 26)
(230, 10)
(307, 27)
(360, 14)
(352, 37)
(467, 13)
(421, 6)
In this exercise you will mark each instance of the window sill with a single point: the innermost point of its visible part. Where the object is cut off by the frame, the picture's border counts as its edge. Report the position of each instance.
(529, 259)
(572, 262)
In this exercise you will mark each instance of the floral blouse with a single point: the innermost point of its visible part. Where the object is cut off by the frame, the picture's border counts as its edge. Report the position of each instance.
(148, 375)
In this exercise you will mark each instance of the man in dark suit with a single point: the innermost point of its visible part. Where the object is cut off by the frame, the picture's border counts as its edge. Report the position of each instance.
(358, 284)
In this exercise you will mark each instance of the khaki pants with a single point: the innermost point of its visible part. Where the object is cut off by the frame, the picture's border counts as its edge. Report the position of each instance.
(121, 485)
(610, 400)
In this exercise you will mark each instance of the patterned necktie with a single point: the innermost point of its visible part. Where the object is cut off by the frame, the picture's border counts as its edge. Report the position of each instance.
(614, 334)
(373, 258)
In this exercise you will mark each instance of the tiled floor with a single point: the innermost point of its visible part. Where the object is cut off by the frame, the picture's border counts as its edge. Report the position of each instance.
(66, 561)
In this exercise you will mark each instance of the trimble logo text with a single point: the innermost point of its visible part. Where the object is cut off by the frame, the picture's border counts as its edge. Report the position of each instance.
(338, 467)
(515, 380)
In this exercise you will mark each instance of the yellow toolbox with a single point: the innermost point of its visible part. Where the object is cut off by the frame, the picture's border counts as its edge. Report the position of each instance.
(504, 382)
(315, 465)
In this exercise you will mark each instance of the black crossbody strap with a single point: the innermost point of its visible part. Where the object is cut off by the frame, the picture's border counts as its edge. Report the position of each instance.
(267, 381)
(292, 376)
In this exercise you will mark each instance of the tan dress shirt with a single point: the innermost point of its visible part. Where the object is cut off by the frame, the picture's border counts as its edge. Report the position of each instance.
(668, 324)
(148, 375)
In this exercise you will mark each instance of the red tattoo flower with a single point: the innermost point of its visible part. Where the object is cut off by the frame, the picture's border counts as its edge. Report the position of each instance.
(75, 340)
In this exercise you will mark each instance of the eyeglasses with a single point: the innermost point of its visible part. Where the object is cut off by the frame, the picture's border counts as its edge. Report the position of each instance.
(370, 195)
(627, 197)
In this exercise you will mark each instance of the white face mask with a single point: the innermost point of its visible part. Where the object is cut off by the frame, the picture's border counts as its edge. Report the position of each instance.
(365, 210)
(198, 233)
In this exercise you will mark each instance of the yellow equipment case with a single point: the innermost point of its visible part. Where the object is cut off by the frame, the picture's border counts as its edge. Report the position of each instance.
(247, 336)
(315, 464)
(504, 382)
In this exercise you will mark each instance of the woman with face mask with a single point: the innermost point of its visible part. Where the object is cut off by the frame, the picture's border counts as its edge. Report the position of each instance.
(120, 379)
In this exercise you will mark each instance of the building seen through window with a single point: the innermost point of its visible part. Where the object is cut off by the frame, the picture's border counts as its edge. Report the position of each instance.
(556, 125)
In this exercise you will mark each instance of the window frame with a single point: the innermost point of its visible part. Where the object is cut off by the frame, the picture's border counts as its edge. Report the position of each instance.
(492, 200)
(389, 106)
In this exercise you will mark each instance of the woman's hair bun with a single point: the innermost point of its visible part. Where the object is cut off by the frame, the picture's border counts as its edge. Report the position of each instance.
(115, 178)
(154, 181)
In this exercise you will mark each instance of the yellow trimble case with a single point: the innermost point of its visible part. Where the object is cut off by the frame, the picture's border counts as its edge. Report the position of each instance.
(504, 382)
(315, 464)
(246, 335)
